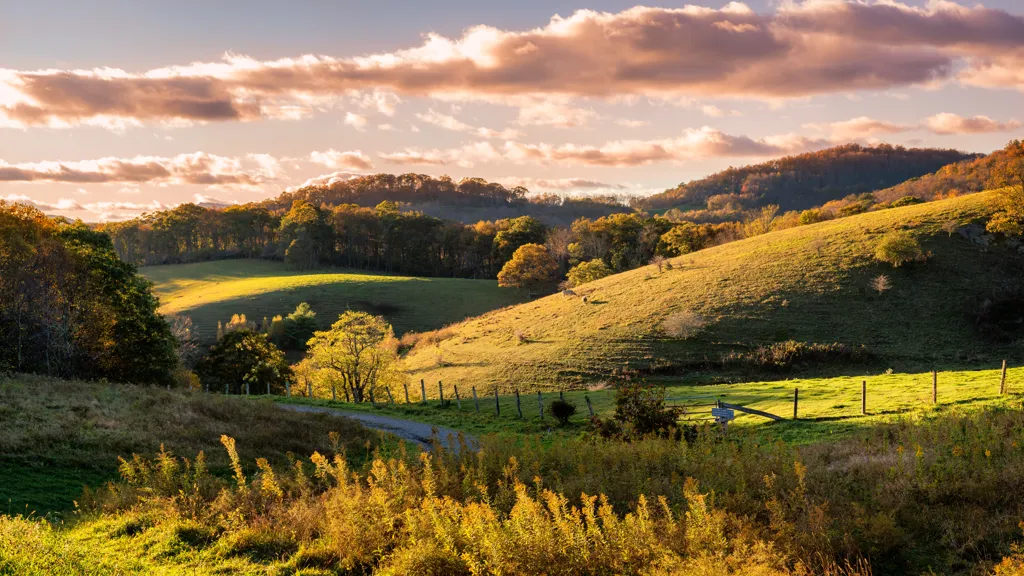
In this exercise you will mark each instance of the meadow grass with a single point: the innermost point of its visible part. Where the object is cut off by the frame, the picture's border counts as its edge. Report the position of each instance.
(828, 407)
(57, 436)
(213, 291)
(809, 284)
(940, 495)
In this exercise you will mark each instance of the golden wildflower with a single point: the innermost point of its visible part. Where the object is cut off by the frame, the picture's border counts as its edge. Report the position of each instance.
(958, 451)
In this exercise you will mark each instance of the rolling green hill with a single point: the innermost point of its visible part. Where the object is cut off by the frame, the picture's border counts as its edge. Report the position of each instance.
(810, 284)
(212, 291)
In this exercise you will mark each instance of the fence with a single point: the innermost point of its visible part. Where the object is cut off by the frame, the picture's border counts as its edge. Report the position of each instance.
(693, 408)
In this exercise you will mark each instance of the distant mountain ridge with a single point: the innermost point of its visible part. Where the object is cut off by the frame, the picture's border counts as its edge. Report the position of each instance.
(469, 200)
(807, 180)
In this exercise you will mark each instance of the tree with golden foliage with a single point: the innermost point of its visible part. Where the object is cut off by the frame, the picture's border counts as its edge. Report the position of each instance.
(1010, 218)
(531, 267)
(361, 350)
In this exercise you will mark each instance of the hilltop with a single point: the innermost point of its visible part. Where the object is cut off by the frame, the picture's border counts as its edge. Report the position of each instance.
(807, 180)
(213, 291)
(967, 176)
(810, 284)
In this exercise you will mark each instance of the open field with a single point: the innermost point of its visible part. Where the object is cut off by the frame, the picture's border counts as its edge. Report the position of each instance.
(58, 435)
(827, 406)
(213, 291)
(809, 284)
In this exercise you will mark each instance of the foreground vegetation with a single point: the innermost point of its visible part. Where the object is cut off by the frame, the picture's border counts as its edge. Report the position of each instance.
(212, 292)
(812, 284)
(58, 435)
(938, 496)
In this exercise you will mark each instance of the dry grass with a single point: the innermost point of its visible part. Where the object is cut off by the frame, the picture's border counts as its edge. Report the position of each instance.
(57, 435)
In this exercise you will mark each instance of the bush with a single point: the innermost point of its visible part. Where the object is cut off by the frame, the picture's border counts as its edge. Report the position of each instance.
(588, 272)
(640, 410)
(562, 410)
(999, 317)
(244, 361)
(791, 354)
(685, 324)
(899, 248)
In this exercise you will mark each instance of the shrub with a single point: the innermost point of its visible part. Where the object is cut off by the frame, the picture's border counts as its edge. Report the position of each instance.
(685, 324)
(791, 354)
(299, 327)
(899, 248)
(640, 410)
(999, 317)
(562, 410)
(881, 283)
(588, 272)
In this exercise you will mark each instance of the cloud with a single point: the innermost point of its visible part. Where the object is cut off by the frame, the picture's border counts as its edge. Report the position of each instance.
(862, 127)
(452, 123)
(942, 124)
(549, 112)
(352, 159)
(326, 179)
(198, 168)
(356, 121)
(947, 123)
(801, 49)
(716, 112)
(465, 156)
(700, 143)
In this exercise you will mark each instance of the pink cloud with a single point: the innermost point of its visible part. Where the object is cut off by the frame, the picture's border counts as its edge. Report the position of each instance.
(353, 159)
(953, 124)
(197, 168)
(801, 49)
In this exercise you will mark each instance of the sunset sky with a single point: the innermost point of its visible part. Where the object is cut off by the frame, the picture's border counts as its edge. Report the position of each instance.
(118, 107)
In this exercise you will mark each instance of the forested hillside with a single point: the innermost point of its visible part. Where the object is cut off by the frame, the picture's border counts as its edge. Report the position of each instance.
(970, 175)
(804, 181)
(470, 200)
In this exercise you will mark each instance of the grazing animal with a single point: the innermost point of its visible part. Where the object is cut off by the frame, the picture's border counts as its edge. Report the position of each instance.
(586, 299)
(568, 294)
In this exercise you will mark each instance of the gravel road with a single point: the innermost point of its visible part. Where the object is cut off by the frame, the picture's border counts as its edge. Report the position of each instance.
(409, 430)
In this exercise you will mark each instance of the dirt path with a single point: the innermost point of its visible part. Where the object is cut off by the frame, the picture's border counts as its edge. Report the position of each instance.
(417, 432)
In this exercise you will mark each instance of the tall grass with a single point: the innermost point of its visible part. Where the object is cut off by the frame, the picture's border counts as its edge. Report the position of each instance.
(944, 495)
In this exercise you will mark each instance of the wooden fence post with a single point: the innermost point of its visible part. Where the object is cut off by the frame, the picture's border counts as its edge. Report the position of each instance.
(226, 390)
(391, 399)
(268, 388)
(497, 405)
(406, 385)
(1002, 380)
(207, 387)
(309, 388)
(935, 387)
(423, 392)
(519, 406)
(246, 388)
(475, 401)
(796, 402)
(457, 399)
(440, 392)
(372, 399)
(288, 387)
(864, 398)
(540, 405)
(561, 395)
(590, 406)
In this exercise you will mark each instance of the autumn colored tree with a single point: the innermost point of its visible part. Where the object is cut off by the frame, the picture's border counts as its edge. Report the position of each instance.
(1010, 217)
(245, 362)
(588, 272)
(898, 248)
(684, 238)
(360, 350)
(531, 267)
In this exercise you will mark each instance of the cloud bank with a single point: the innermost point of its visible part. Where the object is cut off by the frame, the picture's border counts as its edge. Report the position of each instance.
(802, 49)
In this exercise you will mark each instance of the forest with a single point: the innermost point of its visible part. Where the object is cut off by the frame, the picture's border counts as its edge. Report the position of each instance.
(807, 180)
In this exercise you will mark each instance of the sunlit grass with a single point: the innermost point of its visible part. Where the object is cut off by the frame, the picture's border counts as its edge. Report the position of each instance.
(213, 291)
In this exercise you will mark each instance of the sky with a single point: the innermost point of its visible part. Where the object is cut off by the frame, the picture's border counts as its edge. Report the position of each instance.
(115, 108)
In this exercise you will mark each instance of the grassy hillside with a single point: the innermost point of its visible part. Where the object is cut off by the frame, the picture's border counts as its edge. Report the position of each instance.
(809, 284)
(56, 435)
(212, 291)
